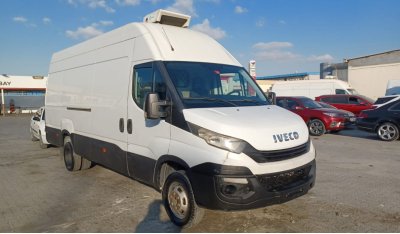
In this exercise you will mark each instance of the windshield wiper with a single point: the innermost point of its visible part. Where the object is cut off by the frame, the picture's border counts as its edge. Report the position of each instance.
(248, 100)
(212, 100)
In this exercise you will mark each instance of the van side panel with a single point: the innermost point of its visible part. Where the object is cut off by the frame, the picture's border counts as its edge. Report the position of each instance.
(87, 98)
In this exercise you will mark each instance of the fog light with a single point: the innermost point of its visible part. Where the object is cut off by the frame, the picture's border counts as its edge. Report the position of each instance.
(229, 189)
(333, 124)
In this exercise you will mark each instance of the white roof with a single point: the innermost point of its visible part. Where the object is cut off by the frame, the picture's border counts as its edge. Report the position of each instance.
(162, 42)
(22, 82)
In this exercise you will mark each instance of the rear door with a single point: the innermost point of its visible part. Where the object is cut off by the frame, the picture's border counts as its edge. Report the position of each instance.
(147, 139)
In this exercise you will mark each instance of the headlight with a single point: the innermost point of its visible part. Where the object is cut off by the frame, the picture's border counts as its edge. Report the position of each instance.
(331, 114)
(218, 140)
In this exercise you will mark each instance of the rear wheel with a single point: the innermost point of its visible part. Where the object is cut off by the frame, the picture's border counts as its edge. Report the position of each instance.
(179, 202)
(316, 127)
(388, 132)
(72, 161)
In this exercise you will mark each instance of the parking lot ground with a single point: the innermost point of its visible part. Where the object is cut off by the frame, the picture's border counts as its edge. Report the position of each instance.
(357, 190)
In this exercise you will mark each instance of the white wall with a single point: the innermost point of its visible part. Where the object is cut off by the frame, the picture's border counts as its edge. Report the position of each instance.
(371, 81)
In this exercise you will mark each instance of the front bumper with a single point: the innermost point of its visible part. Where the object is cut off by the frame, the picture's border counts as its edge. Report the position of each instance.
(334, 123)
(236, 188)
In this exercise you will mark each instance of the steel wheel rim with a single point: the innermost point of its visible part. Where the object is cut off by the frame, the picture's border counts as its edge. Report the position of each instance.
(316, 127)
(387, 132)
(178, 200)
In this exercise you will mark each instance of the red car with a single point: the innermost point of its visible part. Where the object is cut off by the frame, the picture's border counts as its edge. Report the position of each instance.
(319, 119)
(352, 103)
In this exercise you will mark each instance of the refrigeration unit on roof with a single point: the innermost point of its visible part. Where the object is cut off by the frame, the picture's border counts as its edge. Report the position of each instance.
(168, 17)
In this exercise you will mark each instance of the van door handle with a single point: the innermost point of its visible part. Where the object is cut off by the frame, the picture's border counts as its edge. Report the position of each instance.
(121, 125)
(129, 126)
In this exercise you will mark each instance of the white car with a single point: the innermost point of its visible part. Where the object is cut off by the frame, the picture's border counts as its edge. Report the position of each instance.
(37, 130)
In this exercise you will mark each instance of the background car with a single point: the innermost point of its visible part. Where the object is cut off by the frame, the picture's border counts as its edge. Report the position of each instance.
(352, 103)
(37, 128)
(384, 119)
(318, 119)
(349, 116)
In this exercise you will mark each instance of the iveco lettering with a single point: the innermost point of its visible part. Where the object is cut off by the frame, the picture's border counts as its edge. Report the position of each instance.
(182, 116)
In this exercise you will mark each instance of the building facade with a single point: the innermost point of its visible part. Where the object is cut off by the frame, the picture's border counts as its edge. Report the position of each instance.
(22, 94)
(370, 75)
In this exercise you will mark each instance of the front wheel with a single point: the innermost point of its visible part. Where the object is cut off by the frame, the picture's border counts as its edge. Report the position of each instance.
(388, 132)
(179, 202)
(316, 127)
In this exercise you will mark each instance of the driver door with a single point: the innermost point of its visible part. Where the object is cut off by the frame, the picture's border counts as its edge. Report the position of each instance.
(147, 139)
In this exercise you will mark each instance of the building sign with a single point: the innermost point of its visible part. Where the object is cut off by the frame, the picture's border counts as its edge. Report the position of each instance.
(5, 83)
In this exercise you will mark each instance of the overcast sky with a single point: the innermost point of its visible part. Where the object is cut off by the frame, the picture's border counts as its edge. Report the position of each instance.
(283, 36)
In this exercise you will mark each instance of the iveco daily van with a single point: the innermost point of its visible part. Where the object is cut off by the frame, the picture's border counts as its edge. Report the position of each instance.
(170, 107)
(311, 88)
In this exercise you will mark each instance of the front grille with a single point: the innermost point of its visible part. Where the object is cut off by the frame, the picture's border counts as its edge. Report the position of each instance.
(283, 180)
(276, 155)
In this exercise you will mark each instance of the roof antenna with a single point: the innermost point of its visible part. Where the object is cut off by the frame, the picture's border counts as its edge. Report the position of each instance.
(166, 37)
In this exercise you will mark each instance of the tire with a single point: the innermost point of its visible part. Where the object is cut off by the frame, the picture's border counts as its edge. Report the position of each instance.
(72, 161)
(316, 127)
(388, 132)
(42, 145)
(179, 202)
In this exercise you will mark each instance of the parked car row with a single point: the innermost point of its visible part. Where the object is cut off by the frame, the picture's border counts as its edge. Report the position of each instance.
(332, 113)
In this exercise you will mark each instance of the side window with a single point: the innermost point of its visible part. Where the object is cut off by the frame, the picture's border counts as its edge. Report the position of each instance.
(146, 80)
(292, 104)
(339, 100)
(281, 103)
(43, 115)
(395, 107)
(326, 99)
(340, 91)
(142, 84)
(354, 100)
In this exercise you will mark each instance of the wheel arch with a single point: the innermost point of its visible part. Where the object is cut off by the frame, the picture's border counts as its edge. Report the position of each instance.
(173, 161)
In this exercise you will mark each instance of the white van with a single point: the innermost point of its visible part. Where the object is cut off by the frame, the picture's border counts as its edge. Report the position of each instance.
(311, 88)
(170, 107)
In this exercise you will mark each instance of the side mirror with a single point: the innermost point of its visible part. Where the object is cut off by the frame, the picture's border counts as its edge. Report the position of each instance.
(272, 97)
(36, 118)
(152, 106)
(363, 104)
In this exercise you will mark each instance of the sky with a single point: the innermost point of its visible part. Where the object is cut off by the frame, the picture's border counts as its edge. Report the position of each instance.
(283, 36)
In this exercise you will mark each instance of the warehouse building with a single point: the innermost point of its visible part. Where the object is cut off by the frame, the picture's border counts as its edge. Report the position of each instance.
(371, 75)
(22, 94)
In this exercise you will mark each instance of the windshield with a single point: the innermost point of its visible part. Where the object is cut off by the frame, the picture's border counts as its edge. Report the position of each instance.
(214, 85)
(352, 91)
(310, 104)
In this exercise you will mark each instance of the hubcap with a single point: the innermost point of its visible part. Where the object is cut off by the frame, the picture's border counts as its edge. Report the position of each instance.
(178, 200)
(316, 127)
(387, 132)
